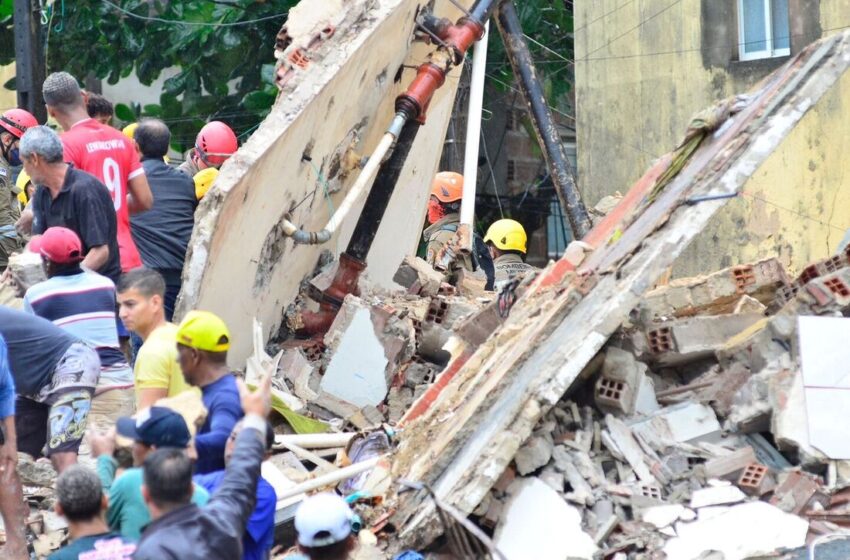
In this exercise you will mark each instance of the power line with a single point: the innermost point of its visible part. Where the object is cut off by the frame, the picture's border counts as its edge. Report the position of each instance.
(544, 47)
(638, 26)
(191, 23)
(603, 16)
(699, 49)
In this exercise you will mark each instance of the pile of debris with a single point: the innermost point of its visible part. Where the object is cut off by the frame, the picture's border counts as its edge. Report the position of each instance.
(710, 422)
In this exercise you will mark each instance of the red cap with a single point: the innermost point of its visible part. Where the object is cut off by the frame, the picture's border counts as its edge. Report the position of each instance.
(58, 244)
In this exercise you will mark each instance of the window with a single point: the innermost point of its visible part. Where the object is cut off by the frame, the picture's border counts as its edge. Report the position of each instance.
(763, 29)
(557, 234)
(511, 170)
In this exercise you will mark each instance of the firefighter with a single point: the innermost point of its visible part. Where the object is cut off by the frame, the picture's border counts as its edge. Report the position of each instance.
(214, 144)
(13, 124)
(507, 242)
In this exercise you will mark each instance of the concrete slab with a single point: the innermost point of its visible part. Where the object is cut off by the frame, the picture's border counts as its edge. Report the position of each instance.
(357, 372)
(739, 532)
(685, 422)
(343, 99)
(537, 523)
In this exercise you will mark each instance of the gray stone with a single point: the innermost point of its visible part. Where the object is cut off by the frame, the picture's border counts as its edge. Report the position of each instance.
(534, 454)
(35, 473)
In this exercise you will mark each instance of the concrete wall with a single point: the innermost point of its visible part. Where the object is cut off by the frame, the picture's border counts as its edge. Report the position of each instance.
(8, 98)
(643, 70)
(239, 263)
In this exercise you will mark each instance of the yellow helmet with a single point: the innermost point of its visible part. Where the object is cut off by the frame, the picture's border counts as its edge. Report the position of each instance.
(130, 130)
(204, 179)
(507, 235)
(21, 186)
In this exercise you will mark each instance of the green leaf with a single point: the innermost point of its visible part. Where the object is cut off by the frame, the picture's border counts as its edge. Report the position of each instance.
(11, 83)
(258, 101)
(152, 110)
(125, 113)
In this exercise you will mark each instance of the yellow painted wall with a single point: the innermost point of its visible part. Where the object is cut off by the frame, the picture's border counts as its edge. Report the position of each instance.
(638, 84)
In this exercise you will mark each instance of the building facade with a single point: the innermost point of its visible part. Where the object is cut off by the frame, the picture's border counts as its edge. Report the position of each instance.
(643, 68)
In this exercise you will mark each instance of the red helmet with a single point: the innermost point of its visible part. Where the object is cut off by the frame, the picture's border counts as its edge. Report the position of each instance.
(17, 121)
(215, 143)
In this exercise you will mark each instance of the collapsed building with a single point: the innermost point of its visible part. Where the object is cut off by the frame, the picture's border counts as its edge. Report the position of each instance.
(592, 410)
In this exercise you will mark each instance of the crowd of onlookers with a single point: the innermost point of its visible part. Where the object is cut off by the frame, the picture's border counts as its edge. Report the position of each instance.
(93, 350)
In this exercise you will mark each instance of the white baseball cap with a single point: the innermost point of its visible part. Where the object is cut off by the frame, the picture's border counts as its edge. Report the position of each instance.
(322, 520)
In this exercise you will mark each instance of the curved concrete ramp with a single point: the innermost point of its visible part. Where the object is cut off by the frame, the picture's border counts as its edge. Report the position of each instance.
(239, 264)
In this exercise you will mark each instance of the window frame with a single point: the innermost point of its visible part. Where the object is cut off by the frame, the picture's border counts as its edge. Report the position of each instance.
(770, 51)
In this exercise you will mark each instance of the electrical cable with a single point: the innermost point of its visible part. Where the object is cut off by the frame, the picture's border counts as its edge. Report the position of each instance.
(603, 16)
(492, 174)
(190, 23)
(700, 49)
(636, 27)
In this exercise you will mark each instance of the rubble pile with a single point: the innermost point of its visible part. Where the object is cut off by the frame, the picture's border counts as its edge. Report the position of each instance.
(382, 351)
(693, 430)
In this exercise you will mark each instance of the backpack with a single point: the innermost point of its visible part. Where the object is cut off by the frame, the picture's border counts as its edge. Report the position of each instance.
(480, 256)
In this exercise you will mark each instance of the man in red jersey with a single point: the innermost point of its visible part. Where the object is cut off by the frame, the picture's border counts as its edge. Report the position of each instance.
(105, 153)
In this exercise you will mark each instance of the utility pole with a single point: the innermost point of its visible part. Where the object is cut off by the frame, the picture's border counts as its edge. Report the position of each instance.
(30, 65)
(545, 128)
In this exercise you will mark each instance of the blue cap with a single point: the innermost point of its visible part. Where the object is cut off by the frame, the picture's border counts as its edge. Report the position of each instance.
(157, 426)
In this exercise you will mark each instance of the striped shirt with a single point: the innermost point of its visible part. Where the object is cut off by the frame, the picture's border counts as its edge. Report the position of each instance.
(84, 305)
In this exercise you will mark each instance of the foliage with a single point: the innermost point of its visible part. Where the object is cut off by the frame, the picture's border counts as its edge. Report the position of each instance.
(549, 23)
(224, 72)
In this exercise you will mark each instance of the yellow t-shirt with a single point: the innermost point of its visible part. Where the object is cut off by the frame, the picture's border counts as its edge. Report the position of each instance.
(156, 363)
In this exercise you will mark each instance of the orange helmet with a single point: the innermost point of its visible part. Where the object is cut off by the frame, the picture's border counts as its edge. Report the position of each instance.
(447, 186)
(215, 143)
(17, 121)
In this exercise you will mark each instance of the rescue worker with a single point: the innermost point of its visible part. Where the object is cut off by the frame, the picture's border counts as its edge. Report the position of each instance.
(444, 217)
(507, 242)
(214, 144)
(130, 130)
(204, 179)
(13, 124)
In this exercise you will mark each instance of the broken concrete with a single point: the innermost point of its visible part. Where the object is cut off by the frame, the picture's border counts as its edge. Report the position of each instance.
(683, 341)
(716, 294)
(368, 344)
(682, 423)
(504, 388)
(739, 532)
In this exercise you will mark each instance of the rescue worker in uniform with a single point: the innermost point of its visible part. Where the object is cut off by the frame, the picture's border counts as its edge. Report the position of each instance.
(507, 242)
(214, 144)
(13, 124)
(444, 217)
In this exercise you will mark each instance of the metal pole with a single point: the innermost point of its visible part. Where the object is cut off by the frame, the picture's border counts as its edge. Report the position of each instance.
(473, 128)
(541, 118)
(30, 66)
